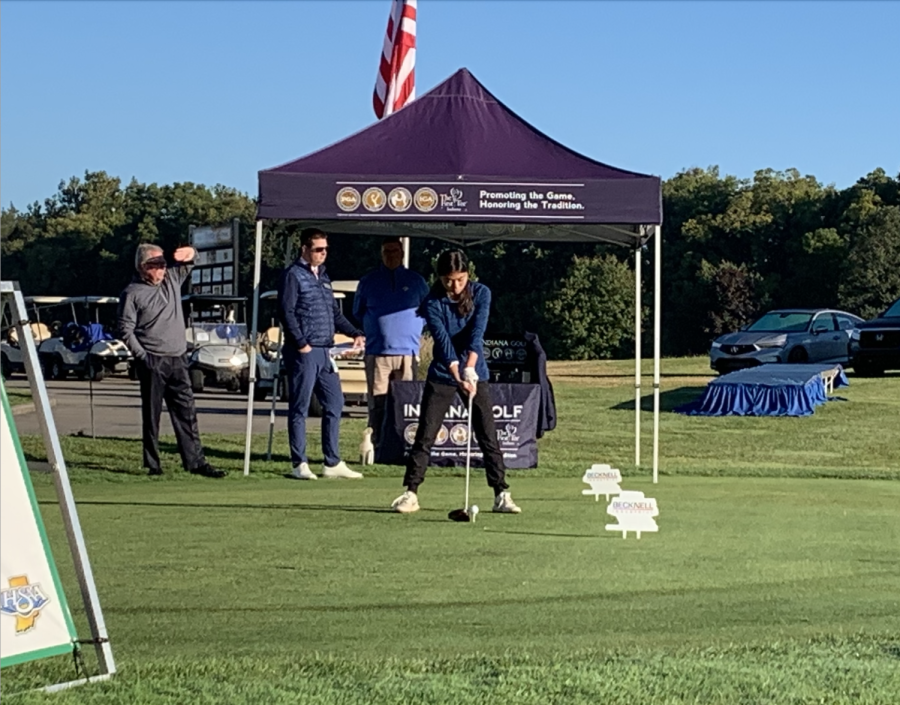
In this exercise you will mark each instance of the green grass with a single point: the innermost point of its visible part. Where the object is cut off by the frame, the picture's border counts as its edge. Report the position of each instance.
(763, 585)
(18, 396)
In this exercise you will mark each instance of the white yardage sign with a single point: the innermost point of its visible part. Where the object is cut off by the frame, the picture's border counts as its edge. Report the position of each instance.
(634, 512)
(34, 617)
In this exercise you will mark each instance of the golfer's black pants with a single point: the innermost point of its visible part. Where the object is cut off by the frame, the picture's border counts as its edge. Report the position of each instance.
(436, 400)
(166, 379)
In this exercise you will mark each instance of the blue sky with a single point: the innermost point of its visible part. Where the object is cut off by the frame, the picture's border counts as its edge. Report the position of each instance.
(211, 92)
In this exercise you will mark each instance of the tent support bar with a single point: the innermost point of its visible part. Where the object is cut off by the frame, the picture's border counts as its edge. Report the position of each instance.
(657, 298)
(637, 357)
(254, 339)
(404, 243)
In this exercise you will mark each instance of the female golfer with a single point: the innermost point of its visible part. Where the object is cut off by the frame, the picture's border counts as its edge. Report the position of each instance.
(456, 312)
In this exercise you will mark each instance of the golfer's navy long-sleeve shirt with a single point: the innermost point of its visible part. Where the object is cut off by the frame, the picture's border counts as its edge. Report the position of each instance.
(455, 336)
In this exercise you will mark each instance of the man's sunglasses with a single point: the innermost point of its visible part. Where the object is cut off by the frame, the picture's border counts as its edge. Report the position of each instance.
(155, 264)
(318, 250)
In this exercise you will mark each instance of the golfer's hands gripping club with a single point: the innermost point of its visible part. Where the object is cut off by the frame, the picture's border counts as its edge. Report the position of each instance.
(470, 380)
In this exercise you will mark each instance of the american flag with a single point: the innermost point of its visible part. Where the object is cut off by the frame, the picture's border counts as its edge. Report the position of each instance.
(396, 82)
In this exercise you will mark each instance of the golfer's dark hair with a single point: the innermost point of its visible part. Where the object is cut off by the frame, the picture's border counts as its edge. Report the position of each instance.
(307, 235)
(453, 262)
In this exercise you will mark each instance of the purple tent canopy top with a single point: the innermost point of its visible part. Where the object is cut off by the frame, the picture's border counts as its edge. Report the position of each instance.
(458, 164)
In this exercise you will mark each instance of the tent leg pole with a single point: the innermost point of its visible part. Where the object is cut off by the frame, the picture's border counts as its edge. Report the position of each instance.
(404, 243)
(657, 298)
(254, 340)
(637, 357)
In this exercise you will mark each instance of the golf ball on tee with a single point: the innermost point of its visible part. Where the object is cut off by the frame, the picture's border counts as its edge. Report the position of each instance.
(474, 510)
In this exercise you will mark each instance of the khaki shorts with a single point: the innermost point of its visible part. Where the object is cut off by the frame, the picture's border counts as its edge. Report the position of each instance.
(381, 369)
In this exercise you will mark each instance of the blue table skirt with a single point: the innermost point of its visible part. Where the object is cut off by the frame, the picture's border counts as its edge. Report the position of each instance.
(767, 390)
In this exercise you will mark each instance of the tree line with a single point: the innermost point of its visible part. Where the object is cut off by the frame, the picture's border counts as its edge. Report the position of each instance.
(732, 249)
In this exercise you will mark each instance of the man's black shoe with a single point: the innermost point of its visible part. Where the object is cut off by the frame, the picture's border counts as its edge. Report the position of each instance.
(208, 471)
(154, 472)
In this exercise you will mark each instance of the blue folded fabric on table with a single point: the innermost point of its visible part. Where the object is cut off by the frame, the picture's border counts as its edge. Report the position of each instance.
(767, 390)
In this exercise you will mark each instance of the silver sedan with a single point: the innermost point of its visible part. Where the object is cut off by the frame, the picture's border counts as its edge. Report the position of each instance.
(786, 335)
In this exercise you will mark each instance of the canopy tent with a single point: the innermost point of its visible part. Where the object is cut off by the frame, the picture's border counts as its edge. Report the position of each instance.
(457, 164)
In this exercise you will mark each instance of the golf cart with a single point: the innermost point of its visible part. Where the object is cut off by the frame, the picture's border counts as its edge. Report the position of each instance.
(11, 360)
(218, 345)
(349, 361)
(82, 346)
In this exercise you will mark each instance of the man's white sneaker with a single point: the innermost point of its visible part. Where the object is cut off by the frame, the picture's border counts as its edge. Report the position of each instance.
(341, 470)
(407, 503)
(302, 472)
(503, 504)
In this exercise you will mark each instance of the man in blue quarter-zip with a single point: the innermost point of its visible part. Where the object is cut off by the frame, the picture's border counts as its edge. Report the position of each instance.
(387, 302)
(310, 315)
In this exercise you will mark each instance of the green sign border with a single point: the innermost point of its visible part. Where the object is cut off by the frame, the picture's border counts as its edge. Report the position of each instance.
(35, 510)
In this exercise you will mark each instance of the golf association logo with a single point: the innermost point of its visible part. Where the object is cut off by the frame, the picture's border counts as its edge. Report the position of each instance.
(23, 601)
(426, 199)
(409, 433)
(400, 199)
(374, 199)
(453, 201)
(459, 434)
(348, 199)
(442, 436)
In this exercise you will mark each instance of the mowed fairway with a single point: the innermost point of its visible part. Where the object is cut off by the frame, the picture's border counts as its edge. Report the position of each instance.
(775, 576)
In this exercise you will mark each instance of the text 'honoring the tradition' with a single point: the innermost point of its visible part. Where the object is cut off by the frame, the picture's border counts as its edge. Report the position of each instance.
(528, 201)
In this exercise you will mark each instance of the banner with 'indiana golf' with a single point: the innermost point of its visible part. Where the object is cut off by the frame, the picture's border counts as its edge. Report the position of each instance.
(515, 409)
(34, 617)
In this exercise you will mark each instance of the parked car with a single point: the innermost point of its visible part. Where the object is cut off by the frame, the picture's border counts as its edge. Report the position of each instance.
(786, 335)
(218, 345)
(349, 361)
(83, 345)
(875, 344)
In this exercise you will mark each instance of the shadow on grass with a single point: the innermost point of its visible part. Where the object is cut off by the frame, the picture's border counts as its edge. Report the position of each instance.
(551, 534)
(668, 400)
(210, 505)
(629, 375)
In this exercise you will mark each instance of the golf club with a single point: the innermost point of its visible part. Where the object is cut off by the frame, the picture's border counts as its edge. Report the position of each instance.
(463, 514)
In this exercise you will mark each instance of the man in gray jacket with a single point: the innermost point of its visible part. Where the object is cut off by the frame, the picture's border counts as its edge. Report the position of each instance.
(151, 322)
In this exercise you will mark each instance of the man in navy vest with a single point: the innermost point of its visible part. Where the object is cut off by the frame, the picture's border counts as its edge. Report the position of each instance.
(310, 315)
(387, 303)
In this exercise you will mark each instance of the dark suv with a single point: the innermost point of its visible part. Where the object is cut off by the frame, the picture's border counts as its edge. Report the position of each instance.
(875, 344)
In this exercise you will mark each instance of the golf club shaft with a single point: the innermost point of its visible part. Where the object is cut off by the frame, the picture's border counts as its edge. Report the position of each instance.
(468, 452)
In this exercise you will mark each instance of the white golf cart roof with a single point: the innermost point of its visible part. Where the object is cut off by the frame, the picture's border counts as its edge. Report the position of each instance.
(274, 295)
(56, 300)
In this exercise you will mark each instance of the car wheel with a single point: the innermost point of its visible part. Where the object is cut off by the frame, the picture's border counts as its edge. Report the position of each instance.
(5, 367)
(94, 370)
(57, 368)
(284, 390)
(315, 407)
(798, 355)
(244, 382)
(196, 380)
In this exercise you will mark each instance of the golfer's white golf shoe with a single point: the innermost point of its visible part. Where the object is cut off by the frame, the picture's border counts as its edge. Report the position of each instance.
(302, 472)
(503, 504)
(407, 503)
(341, 470)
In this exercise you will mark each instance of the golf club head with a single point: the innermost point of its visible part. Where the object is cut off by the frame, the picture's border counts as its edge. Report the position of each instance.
(459, 515)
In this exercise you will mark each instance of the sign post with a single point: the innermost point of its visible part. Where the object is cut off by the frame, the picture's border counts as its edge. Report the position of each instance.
(35, 619)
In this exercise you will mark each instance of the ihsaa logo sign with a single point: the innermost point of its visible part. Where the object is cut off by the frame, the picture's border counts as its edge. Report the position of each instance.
(23, 601)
